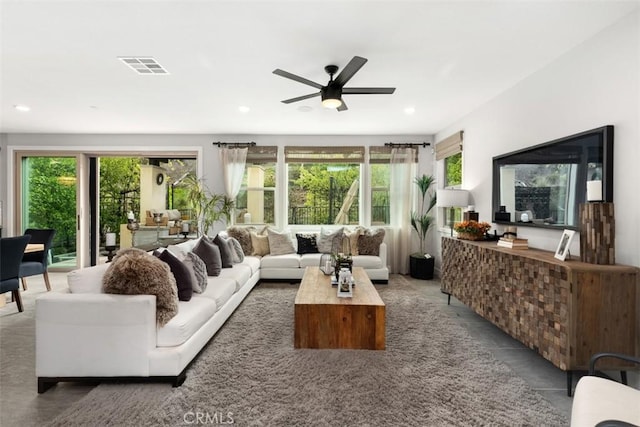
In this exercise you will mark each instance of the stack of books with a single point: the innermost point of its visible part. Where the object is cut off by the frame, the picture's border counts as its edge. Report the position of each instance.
(513, 243)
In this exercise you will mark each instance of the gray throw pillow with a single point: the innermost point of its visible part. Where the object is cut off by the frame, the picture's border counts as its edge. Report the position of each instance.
(328, 240)
(198, 270)
(238, 253)
(280, 243)
(135, 272)
(226, 252)
(369, 242)
(210, 254)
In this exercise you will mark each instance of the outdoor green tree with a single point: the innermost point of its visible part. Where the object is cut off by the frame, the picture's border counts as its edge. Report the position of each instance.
(51, 194)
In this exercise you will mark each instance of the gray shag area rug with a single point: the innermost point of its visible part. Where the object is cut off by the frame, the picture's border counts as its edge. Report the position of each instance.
(433, 373)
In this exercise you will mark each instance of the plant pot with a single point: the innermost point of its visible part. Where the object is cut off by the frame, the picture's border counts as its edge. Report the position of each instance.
(421, 267)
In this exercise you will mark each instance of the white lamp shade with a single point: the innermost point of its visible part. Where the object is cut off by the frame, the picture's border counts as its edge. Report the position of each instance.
(450, 198)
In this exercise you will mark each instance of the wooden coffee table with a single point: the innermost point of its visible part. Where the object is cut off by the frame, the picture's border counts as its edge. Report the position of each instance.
(322, 320)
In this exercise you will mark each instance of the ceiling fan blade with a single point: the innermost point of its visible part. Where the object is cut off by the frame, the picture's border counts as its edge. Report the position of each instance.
(342, 107)
(299, 79)
(368, 90)
(300, 98)
(352, 67)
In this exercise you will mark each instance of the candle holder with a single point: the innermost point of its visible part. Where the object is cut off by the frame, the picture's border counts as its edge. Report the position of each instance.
(184, 234)
(133, 226)
(110, 252)
(157, 218)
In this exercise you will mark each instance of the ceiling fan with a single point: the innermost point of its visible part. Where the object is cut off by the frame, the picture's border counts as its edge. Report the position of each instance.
(331, 94)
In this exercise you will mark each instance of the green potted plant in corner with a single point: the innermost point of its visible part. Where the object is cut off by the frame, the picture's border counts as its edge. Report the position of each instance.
(208, 207)
(421, 264)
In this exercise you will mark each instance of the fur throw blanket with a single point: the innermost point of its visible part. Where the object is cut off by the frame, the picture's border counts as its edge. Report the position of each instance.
(134, 272)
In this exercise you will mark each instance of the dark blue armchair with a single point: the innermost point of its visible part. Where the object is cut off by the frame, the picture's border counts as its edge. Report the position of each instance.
(11, 252)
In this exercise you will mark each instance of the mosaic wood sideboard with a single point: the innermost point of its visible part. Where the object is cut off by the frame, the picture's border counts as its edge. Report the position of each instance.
(565, 311)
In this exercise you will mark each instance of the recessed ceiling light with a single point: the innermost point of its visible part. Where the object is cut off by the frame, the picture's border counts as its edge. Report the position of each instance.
(144, 65)
(409, 110)
(244, 109)
(23, 108)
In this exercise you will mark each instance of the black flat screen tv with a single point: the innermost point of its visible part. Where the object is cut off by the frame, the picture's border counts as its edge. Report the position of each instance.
(543, 185)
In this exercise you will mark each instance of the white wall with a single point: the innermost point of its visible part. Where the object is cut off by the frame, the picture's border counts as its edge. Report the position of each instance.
(595, 84)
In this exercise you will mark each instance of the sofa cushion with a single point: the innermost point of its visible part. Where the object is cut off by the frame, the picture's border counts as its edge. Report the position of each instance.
(280, 242)
(184, 280)
(328, 240)
(253, 263)
(369, 242)
(134, 272)
(280, 261)
(240, 275)
(307, 243)
(210, 254)
(220, 289)
(367, 261)
(190, 318)
(238, 253)
(260, 244)
(87, 280)
(226, 252)
(310, 260)
(187, 246)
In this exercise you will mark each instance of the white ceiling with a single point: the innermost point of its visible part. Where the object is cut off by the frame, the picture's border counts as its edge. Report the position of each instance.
(445, 58)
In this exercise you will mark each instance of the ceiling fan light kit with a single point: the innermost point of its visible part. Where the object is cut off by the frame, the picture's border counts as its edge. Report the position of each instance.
(331, 94)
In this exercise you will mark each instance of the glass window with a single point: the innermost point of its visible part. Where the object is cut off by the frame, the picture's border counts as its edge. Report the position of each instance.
(255, 203)
(323, 184)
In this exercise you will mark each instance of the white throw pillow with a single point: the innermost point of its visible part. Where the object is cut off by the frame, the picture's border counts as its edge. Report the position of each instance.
(327, 240)
(280, 242)
(87, 280)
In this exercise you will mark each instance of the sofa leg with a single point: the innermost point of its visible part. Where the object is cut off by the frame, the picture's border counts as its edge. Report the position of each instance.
(45, 384)
(179, 379)
(569, 382)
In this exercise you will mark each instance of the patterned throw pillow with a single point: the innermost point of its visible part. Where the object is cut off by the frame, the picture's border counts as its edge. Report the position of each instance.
(134, 272)
(210, 254)
(238, 253)
(260, 244)
(369, 242)
(307, 243)
(280, 243)
(328, 240)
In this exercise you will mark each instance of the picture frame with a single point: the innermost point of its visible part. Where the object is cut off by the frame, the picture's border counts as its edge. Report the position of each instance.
(563, 245)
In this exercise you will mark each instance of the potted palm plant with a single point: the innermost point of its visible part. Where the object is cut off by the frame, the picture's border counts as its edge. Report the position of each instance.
(208, 207)
(421, 264)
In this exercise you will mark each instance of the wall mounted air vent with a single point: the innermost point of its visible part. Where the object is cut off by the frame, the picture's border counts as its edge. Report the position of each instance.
(143, 65)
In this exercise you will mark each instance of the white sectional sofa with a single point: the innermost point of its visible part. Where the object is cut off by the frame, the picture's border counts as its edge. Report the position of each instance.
(292, 266)
(84, 334)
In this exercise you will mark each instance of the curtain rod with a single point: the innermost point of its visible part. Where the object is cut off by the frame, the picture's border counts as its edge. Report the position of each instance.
(407, 144)
(234, 144)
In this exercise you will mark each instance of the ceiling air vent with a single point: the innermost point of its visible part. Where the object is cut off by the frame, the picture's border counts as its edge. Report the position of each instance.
(143, 64)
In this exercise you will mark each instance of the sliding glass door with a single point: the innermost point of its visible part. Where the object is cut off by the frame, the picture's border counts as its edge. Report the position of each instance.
(49, 199)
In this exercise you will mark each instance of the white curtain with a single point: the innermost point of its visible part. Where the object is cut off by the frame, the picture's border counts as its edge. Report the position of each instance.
(403, 171)
(233, 164)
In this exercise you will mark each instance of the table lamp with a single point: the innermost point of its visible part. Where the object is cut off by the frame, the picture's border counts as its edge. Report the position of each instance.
(451, 198)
